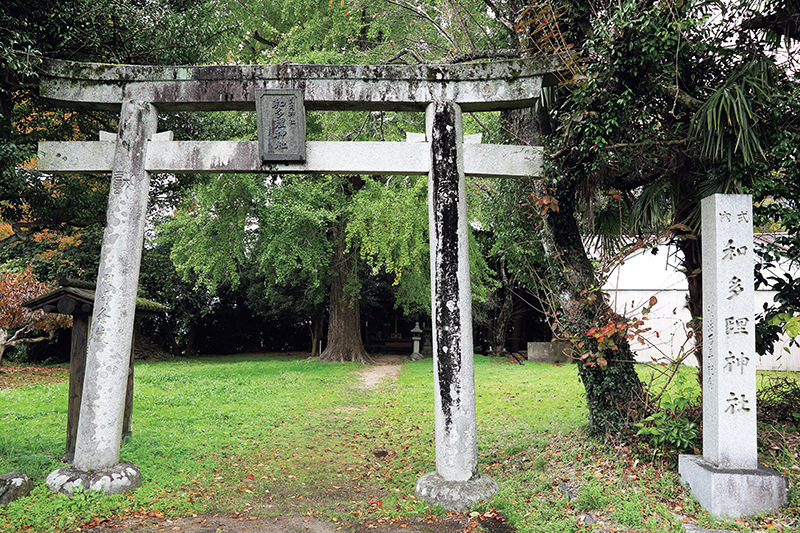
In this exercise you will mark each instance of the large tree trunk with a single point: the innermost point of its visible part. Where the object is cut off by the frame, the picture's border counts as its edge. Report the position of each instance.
(691, 264)
(317, 323)
(613, 389)
(500, 330)
(687, 239)
(344, 326)
(190, 338)
(174, 347)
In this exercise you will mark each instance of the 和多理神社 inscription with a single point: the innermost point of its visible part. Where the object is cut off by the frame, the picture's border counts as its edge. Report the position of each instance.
(281, 125)
(727, 479)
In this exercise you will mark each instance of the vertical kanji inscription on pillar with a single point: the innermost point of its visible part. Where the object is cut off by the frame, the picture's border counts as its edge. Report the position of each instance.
(99, 433)
(729, 414)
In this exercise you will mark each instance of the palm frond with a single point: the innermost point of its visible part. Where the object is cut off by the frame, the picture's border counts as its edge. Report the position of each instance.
(728, 121)
(654, 208)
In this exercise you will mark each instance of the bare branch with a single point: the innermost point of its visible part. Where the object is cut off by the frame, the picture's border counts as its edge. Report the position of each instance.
(463, 25)
(682, 97)
(675, 142)
(560, 153)
(486, 54)
(420, 13)
(405, 51)
(17, 338)
(509, 24)
(262, 40)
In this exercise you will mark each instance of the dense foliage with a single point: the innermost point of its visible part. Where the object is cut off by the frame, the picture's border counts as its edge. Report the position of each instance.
(661, 102)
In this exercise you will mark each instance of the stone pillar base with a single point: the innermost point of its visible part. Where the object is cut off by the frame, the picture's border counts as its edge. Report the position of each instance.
(732, 493)
(121, 478)
(14, 486)
(455, 495)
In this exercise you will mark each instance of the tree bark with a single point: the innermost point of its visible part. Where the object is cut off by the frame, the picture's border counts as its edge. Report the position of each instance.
(687, 239)
(613, 389)
(190, 338)
(500, 329)
(317, 323)
(691, 264)
(174, 347)
(344, 326)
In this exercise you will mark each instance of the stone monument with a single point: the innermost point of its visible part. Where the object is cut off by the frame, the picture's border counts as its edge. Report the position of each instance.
(727, 479)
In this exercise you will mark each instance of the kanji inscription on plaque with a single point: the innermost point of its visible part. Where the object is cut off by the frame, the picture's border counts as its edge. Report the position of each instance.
(281, 125)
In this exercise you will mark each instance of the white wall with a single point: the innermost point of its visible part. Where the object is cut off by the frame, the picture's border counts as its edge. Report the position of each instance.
(643, 275)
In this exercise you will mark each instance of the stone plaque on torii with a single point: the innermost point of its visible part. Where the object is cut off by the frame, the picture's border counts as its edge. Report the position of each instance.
(139, 92)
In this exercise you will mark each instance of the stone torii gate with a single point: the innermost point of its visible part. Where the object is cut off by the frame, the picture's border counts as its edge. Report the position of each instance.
(282, 93)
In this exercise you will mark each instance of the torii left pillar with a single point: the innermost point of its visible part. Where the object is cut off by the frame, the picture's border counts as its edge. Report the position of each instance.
(96, 465)
(456, 484)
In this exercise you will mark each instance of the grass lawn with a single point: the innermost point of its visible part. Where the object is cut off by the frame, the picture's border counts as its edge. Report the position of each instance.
(259, 437)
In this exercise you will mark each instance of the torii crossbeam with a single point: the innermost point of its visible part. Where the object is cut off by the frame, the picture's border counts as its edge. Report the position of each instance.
(139, 92)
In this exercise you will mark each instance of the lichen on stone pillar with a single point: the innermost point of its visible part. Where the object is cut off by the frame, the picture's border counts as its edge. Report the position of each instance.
(456, 484)
(99, 435)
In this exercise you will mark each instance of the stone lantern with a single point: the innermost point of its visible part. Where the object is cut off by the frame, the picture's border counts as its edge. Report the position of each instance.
(416, 336)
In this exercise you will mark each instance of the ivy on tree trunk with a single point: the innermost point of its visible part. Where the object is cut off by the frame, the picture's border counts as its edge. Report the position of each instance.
(600, 345)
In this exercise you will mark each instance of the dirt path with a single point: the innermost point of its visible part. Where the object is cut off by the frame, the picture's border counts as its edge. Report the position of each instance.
(386, 368)
(227, 524)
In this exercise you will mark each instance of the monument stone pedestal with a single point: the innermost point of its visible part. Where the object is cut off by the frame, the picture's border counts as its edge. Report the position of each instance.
(732, 492)
(727, 479)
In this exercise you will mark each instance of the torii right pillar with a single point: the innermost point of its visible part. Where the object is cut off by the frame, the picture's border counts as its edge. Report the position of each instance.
(456, 484)
(727, 479)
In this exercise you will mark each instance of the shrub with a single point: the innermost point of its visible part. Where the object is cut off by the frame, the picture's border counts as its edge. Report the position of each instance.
(675, 427)
(779, 402)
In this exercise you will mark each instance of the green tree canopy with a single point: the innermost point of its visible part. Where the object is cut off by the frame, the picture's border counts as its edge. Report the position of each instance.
(662, 103)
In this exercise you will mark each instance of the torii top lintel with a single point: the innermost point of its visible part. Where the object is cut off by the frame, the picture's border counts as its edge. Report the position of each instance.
(474, 86)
